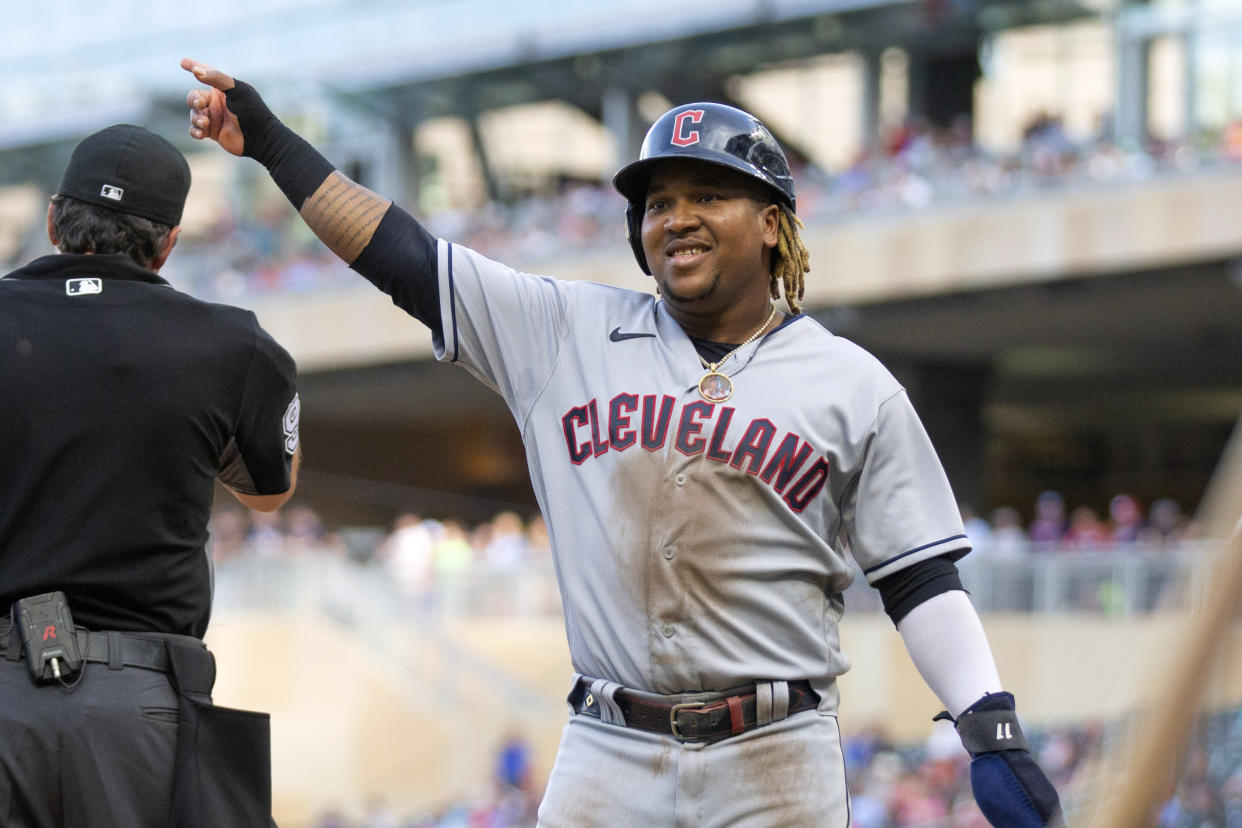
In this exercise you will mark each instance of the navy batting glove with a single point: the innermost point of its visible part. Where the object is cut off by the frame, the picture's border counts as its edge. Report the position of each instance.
(1009, 788)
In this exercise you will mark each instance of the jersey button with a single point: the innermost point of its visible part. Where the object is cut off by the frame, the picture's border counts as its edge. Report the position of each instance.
(667, 630)
(669, 552)
(680, 479)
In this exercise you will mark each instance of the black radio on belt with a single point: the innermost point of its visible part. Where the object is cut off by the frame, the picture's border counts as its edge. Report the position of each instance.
(48, 636)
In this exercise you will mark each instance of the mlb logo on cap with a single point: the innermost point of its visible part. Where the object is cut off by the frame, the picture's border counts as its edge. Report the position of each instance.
(130, 170)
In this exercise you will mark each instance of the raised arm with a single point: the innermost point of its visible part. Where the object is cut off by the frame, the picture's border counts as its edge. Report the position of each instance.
(342, 213)
(380, 241)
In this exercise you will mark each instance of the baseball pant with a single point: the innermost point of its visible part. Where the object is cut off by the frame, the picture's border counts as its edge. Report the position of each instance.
(98, 754)
(791, 772)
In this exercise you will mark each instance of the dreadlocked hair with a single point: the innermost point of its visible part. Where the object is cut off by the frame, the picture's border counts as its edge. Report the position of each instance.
(790, 262)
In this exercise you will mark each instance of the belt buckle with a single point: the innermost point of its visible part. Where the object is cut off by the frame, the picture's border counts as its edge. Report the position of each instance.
(672, 718)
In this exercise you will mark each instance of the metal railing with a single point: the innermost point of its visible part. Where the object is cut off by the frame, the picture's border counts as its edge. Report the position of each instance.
(1121, 580)
(1114, 581)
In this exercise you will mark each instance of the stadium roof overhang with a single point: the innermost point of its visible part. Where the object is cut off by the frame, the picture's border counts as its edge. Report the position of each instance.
(1159, 328)
(688, 60)
(421, 61)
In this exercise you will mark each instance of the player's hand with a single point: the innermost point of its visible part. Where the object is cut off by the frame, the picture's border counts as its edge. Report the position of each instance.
(1009, 787)
(209, 113)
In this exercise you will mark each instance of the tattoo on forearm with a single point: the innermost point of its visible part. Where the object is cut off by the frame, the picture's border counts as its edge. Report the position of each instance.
(344, 215)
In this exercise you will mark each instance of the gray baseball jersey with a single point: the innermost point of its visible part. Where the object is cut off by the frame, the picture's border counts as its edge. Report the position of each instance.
(698, 545)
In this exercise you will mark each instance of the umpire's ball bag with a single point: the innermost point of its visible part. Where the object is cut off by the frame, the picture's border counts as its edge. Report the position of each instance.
(224, 757)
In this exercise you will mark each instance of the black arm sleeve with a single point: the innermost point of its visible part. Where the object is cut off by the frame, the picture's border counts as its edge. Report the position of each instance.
(907, 588)
(401, 261)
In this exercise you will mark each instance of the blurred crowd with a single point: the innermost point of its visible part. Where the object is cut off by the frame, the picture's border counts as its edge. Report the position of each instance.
(419, 551)
(1056, 527)
(1120, 559)
(418, 555)
(913, 166)
(923, 785)
(292, 530)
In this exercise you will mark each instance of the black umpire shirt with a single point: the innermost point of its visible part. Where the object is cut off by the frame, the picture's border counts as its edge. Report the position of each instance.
(121, 400)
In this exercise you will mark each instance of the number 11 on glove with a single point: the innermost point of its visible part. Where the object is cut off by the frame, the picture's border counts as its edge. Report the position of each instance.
(1009, 788)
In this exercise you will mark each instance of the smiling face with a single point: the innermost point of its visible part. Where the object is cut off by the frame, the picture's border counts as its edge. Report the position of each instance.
(708, 233)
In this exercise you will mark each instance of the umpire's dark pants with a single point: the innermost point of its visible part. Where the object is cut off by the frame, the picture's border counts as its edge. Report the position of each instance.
(99, 754)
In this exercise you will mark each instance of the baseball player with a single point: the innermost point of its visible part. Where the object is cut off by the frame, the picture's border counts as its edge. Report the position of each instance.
(705, 463)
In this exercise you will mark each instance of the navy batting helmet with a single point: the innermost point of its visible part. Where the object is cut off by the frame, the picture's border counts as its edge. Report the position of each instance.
(710, 132)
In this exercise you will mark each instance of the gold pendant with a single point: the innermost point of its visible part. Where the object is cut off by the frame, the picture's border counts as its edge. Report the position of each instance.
(715, 387)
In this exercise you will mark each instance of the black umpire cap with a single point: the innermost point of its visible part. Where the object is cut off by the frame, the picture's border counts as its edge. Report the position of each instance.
(131, 170)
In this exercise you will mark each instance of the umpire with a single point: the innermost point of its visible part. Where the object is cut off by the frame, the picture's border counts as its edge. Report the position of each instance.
(122, 402)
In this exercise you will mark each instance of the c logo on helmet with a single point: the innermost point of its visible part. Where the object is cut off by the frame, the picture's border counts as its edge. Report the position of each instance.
(682, 136)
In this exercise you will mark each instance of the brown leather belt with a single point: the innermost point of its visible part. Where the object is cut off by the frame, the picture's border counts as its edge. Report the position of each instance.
(699, 721)
(116, 649)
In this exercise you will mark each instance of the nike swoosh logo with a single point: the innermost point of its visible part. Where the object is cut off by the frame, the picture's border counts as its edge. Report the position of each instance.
(617, 336)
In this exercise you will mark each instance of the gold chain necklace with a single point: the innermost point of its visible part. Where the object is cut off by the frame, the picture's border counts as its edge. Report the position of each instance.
(714, 386)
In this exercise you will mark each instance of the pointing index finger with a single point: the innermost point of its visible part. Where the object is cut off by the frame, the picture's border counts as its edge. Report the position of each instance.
(212, 77)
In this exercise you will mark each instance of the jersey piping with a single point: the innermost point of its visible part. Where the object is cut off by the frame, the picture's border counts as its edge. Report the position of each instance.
(896, 558)
(452, 300)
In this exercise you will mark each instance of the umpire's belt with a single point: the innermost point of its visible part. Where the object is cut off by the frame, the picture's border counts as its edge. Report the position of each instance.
(116, 649)
(696, 717)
